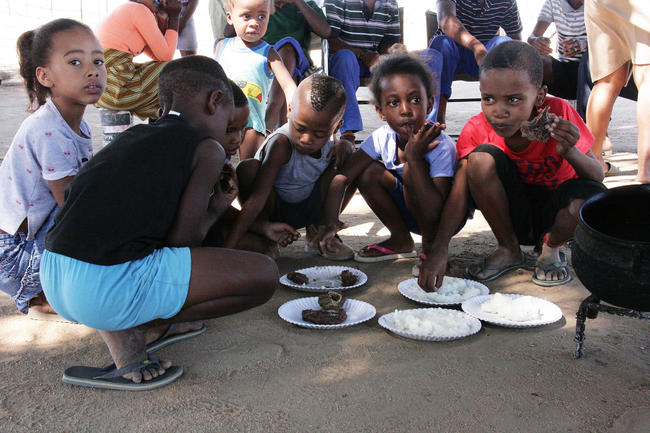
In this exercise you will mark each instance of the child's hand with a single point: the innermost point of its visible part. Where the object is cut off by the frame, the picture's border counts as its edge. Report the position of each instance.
(281, 233)
(341, 150)
(565, 133)
(422, 141)
(432, 270)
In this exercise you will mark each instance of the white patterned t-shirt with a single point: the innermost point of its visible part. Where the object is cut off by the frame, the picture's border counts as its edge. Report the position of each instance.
(44, 148)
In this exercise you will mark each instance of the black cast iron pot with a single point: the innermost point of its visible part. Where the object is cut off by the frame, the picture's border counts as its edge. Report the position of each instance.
(611, 246)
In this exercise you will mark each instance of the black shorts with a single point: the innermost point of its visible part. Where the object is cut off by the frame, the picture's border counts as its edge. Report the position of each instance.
(300, 214)
(533, 208)
(565, 79)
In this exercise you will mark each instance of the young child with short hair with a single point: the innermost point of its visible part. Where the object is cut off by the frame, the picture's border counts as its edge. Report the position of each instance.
(293, 169)
(252, 64)
(404, 169)
(62, 65)
(529, 191)
(124, 255)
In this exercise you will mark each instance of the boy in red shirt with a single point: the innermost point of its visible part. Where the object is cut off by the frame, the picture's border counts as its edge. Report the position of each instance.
(529, 192)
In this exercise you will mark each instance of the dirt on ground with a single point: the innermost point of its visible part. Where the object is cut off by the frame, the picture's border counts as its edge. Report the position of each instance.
(254, 372)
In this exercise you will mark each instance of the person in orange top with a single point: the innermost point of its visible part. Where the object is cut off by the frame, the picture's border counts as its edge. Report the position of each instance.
(129, 30)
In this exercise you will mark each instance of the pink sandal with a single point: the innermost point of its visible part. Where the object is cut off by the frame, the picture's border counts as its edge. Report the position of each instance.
(387, 254)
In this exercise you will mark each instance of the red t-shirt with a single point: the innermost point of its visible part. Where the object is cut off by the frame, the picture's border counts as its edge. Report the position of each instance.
(539, 163)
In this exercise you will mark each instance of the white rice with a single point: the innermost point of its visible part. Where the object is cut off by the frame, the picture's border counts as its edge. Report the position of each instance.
(452, 290)
(519, 309)
(436, 322)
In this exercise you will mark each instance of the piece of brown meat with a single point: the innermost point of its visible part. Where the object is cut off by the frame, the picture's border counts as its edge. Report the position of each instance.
(348, 278)
(298, 278)
(535, 129)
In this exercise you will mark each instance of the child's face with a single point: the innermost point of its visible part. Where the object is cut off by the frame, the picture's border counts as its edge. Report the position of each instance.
(250, 18)
(235, 130)
(507, 99)
(404, 104)
(75, 73)
(309, 129)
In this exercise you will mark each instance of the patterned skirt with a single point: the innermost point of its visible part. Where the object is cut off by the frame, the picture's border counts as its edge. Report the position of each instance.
(130, 86)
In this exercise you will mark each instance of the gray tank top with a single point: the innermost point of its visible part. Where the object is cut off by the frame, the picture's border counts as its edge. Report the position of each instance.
(296, 178)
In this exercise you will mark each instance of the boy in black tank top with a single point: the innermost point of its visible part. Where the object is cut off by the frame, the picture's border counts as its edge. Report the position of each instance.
(124, 255)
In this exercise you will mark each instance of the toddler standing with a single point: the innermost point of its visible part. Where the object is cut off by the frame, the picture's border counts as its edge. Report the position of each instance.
(252, 64)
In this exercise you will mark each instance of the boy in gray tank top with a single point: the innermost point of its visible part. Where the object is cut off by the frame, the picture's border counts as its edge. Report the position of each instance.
(288, 179)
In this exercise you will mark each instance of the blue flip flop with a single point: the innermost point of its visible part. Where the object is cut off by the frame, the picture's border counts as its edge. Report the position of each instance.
(168, 338)
(111, 378)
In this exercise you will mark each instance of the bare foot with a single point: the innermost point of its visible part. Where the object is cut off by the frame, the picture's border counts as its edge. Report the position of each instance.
(155, 332)
(501, 260)
(550, 258)
(128, 347)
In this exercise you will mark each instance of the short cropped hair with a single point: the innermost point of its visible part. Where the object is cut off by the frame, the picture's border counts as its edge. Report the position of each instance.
(401, 63)
(238, 96)
(189, 76)
(229, 4)
(518, 56)
(325, 90)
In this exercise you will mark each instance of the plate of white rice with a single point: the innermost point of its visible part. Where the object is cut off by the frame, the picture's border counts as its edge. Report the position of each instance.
(430, 324)
(453, 291)
(513, 310)
(324, 279)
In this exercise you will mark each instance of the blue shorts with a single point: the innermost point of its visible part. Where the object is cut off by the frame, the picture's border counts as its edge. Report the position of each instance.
(302, 62)
(397, 194)
(117, 297)
(20, 261)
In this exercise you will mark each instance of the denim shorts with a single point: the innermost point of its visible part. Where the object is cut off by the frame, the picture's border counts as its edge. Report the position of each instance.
(20, 261)
(118, 297)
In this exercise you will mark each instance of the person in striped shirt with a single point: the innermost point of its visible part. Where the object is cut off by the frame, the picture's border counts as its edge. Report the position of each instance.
(468, 30)
(361, 31)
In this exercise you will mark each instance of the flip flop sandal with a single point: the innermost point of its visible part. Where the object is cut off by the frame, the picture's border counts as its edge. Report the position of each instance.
(612, 170)
(106, 378)
(562, 264)
(500, 271)
(387, 254)
(169, 338)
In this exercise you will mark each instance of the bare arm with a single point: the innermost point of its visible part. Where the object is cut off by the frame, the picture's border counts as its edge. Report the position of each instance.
(189, 11)
(196, 212)
(57, 187)
(316, 21)
(278, 155)
(432, 270)
(282, 75)
(453, 28)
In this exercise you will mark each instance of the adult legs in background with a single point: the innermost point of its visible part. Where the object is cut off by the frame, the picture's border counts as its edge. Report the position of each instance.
(642, 78)
(345, 67)
(599, 108)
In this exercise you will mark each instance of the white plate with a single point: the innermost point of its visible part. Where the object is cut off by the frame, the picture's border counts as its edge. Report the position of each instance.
(357, 311)
(386, 321)
(409, 289)
(551, 313)
(324, 279)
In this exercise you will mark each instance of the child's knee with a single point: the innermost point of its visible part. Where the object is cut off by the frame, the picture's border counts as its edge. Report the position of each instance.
(574, 207)
(480, 166)
(267, 276)
(371, 176)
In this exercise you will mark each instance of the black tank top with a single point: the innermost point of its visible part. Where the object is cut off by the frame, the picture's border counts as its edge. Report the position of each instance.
(123, 202)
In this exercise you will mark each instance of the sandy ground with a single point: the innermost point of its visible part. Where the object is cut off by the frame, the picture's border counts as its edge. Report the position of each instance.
(254, 372)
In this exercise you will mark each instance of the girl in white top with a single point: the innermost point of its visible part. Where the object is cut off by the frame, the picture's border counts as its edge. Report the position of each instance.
(62, 64)
(404, 169)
